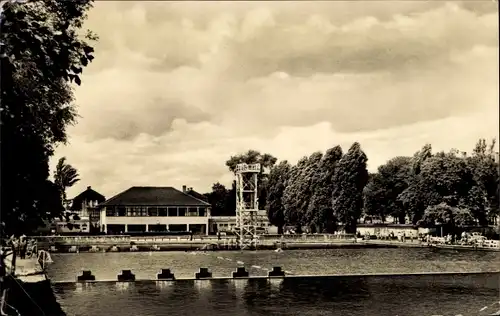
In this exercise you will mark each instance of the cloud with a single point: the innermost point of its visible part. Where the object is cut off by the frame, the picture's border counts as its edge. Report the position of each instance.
(177, 88)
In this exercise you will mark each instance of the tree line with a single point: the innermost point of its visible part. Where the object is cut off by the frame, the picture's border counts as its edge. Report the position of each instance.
(334, 191)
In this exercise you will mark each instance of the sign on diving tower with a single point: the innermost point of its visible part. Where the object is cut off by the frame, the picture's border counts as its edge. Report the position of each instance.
(247, 204)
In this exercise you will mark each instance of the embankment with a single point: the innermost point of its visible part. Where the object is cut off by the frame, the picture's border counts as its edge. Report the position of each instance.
(33, 298)
(211, 243)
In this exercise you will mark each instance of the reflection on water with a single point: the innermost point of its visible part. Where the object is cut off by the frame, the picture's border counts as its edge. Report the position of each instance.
(164, 286)
(124, 286)
(355, 296)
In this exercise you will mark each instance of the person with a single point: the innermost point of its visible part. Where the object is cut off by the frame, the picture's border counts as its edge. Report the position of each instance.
(29, 248)
(22, 247)
(218, 235)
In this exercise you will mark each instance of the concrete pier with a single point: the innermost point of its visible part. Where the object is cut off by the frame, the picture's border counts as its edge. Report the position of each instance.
(26, 270)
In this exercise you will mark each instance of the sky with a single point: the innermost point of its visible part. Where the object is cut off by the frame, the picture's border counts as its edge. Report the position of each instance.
(176, 88)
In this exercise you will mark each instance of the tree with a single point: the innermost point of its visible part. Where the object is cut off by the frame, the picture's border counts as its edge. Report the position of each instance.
(278, 177)
(484, 198)
(217, 199)
(416, 196)
(448, 176)
(41, 54)
(384, 187)
(350, 180)
(320, 207)
(447, 216)
(65, 176)
(308, 183)
(291, 195)
(266, 161)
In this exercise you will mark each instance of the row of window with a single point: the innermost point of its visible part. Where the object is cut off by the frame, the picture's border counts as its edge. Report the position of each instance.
(232, 225)
(156, 211)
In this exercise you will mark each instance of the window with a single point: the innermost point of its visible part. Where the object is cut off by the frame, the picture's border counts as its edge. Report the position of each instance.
(192, 211)
(110, 211)
(143, 211)
(157, 228)
(162, 211)
(122, 211)
(134, 211)
(201, 211)
(172, 211)
(152, 211)
(182, 211)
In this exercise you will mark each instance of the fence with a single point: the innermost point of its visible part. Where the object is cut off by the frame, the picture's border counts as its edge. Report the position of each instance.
(308, 238)
(109, 239)
(83, 239)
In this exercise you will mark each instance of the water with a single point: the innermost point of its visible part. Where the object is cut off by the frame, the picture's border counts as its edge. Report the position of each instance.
(356, 296)
(106, 266)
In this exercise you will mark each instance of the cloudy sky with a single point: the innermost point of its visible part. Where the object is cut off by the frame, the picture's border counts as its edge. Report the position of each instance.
(177, 88)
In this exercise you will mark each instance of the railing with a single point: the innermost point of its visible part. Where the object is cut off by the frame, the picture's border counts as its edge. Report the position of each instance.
(308, 238)
(194, 238)
(247, 168)
(487, 243)
(491, 244)
(83, 239)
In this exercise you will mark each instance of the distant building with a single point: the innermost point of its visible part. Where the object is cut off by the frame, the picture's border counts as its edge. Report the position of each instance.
(86, 203)
(154, 209)
(84, 214)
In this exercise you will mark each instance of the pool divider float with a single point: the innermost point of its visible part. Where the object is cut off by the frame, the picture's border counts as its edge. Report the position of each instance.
(167, 275)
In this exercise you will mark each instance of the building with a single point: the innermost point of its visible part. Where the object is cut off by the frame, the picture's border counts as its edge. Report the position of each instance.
(228, 223)
(86, 203)
(383, 229)
(195, 194)
(86, 206)
(154, 209)
(83, 214)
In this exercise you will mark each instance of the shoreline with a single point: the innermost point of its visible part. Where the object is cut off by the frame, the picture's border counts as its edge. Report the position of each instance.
(223, 245)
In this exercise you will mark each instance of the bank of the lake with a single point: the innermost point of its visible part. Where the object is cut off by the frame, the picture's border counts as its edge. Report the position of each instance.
(210, 243)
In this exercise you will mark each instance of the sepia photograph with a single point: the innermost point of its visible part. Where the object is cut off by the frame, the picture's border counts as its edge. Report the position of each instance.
(249, 158)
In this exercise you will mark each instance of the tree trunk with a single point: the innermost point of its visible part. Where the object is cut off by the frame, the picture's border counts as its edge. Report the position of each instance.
(312, 228)
(280, 229)
(298, 229)
(351, 226)
(402, 218)
(483, 221)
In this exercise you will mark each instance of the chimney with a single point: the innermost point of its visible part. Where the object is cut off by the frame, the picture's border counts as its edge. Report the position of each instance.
(184, 188)
(88, 188)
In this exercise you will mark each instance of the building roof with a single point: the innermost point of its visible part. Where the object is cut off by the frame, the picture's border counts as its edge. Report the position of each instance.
(153, 196)
(88, 195)
(197, 195)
